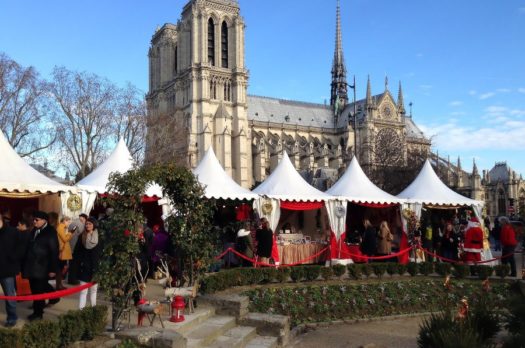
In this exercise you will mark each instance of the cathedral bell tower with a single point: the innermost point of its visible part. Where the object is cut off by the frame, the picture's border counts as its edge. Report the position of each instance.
(197, 89)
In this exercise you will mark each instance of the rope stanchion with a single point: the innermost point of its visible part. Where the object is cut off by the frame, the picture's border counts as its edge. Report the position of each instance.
(255, 262)
(48, 295)
(402, 252)
(458, 261)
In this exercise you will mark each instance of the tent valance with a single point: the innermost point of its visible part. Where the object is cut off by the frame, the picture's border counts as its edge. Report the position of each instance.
(289, 205)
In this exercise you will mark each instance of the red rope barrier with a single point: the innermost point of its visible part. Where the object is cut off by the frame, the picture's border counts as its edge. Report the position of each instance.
(377, 257)
(255, 262)
(457, 261)
(49, 295)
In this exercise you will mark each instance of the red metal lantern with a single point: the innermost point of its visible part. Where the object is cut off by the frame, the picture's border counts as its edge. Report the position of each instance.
(177, 309)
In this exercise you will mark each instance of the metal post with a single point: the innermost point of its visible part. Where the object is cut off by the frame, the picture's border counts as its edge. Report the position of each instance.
(355, 122)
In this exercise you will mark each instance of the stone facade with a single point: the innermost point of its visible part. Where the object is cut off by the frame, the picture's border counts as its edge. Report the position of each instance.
(198, 98)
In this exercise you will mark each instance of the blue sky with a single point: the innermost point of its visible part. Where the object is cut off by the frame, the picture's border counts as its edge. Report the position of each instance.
(461, 62)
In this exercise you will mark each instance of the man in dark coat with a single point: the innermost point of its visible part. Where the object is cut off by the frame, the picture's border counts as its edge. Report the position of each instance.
(264, 237)
(9, 268)
(41, 261)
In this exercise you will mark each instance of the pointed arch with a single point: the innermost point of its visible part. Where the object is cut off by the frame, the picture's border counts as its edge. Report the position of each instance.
(211, 42)
(224, 45)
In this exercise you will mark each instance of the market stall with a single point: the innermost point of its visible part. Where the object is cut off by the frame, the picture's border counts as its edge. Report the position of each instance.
(298, 213)
(354, 187)
(427, 191)
(23, 188)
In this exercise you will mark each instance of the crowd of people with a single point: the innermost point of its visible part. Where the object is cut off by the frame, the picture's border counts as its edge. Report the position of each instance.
(41, 248)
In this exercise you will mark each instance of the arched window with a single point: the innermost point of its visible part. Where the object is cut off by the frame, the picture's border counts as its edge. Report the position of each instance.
(224, 45)
(175, 61)
(502, 207)
(211, 42)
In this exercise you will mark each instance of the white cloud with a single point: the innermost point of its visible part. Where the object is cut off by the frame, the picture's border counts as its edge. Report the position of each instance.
(419, 55)
(521, 90)
(458, 113)
(503, 90)
(500, 131)
(472, 92)
(455, 103)
(486, 95)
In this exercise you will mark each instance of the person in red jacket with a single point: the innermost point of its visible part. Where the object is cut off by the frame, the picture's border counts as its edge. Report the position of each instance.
(508, 244)
(473, 245)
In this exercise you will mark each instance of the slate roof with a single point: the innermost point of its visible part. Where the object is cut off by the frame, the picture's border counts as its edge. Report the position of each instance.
(500, 172)
(412, 129)
(265, 109)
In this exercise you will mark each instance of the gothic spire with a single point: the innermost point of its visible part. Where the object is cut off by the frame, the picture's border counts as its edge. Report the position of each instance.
(400, 100)
(474, 167)
(368, 92)
(339, 85)
(386, 83)
(459, 164)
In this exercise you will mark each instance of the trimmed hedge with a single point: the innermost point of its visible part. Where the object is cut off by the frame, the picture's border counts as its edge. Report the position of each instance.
(319, 302)
(71, 327)
(226, 279)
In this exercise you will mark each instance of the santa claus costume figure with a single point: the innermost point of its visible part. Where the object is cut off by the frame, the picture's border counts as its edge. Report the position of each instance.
(473, 245)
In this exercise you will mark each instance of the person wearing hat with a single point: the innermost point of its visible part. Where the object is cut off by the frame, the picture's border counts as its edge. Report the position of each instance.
(76, 228)
(41, 261)
(87, 254)
(244, 245)
(473, 245)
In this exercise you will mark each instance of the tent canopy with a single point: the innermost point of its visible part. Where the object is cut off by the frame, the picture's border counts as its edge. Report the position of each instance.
(354, 186)
(18, 176)
(427, 188)
(217, 183)
(286, 184)
(119, 161)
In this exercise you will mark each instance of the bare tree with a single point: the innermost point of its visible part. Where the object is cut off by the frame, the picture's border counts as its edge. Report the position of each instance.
(130, 120)
(84, 116)
(23, 108)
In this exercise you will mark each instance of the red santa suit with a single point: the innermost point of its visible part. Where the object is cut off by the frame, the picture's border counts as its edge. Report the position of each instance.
(473, 245)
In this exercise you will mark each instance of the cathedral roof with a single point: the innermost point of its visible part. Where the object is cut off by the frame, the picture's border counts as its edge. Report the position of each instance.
(500, 172)
(412, 129)
(265, 109)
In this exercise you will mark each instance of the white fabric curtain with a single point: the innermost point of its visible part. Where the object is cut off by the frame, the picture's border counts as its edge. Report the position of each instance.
(64, 197)
(262, 206)
(477, 213)
(88, 201)
(337, 216)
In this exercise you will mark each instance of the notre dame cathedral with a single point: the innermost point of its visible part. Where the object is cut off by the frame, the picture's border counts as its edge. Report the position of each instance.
(198, 98)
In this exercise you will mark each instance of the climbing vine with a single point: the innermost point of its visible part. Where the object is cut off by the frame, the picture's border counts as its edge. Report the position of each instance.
(189, 226)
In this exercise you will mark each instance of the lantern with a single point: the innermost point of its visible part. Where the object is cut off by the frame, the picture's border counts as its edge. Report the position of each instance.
(177, 309)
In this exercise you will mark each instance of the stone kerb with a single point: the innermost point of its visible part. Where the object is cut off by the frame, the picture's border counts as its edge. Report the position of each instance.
(233, 305)
(153, 337)
(269, 325)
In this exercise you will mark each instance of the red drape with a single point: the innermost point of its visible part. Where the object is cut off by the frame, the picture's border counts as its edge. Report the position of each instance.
(289, 205)
(345, 249)
(403, 259)
(275, 250)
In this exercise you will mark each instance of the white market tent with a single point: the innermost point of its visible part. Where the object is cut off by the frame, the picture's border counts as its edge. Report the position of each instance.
(354, 186)
(428, 189)
(19, 180)
(286, 184)
(217, 183)
(95, 183)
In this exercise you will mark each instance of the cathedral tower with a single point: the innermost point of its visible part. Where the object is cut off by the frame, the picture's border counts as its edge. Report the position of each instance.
(339, 93)
(197, 89)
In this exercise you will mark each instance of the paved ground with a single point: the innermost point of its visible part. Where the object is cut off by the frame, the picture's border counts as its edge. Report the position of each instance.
(394, 333)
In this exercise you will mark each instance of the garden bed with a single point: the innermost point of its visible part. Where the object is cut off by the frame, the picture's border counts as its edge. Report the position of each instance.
(349, 300)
